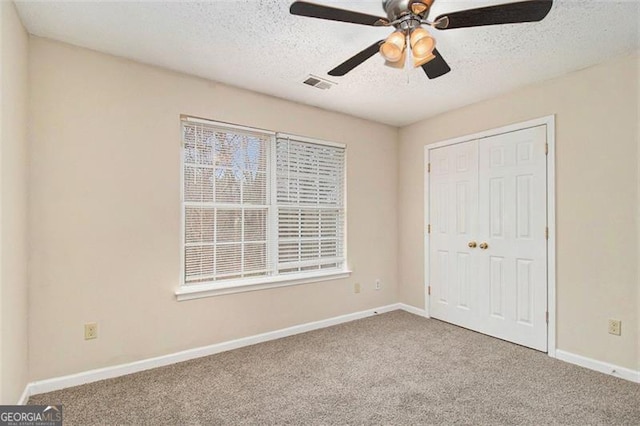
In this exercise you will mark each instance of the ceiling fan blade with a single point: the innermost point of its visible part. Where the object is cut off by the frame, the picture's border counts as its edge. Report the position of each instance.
(510, 13)
(436, 67)
(356, 60)
(311, 10)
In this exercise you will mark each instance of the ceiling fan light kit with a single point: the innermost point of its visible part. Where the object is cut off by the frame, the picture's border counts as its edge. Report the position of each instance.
(422, 44)
(408, 17)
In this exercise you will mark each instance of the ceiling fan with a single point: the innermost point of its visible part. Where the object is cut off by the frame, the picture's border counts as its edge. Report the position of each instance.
(408, 17)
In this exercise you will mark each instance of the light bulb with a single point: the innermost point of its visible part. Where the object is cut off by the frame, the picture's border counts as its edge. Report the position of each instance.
(393, 47)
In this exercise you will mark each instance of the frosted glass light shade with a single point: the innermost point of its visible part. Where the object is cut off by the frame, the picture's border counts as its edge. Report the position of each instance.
(422, 45)
(418, 62)
(393, 47)
(420, 6)
(398, 64)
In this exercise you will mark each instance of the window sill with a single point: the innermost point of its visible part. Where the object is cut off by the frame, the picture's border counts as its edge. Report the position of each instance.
(217, 289)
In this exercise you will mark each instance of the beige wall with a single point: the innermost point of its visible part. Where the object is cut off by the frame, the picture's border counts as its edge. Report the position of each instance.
(105, 214)
(638, 212)
(13, 205)
(105, 217)
(597, 199)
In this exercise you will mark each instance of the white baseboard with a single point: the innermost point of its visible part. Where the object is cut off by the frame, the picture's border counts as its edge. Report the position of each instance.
(413, 310)
(602, 367)
(26, 393)
(57, 383)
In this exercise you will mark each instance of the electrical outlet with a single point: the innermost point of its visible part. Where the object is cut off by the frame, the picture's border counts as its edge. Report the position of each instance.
(615, 327)
(356, 288)
(378, 285)
(91, 330)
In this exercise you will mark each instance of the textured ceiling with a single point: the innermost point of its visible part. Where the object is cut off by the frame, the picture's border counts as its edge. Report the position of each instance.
(256, 44)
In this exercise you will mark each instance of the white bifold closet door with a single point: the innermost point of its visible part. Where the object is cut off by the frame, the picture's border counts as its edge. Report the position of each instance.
(488, 246)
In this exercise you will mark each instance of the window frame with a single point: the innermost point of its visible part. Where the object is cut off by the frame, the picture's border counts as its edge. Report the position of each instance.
(274, 280)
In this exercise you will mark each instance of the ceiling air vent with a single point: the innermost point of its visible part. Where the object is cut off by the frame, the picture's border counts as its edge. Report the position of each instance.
(318, 82)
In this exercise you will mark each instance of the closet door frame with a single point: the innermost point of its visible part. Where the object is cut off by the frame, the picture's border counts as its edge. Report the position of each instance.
(549, 122)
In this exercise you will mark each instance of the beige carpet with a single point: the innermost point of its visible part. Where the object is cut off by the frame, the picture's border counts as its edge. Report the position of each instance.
(394, 368)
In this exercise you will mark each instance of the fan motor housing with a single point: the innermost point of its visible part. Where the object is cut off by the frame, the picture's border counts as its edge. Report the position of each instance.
(396, 9)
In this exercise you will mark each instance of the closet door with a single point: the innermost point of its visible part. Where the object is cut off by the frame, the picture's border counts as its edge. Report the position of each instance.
(487, 243)
(453, 204)
(512, 224)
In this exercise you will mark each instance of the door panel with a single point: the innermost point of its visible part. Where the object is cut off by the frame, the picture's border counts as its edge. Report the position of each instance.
(454, 217)
(463, 268)
(524, 292)
(496, 200)
(496, 286)
(512, 221)
(490, 191)
(443, 276)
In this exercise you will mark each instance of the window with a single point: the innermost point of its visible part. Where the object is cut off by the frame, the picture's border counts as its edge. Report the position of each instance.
(259, 207)
(225, 203)
(310, 200)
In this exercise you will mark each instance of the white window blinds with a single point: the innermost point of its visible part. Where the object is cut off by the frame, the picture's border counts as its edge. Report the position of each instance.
(226, 203)
(310, 206)
(257, 205)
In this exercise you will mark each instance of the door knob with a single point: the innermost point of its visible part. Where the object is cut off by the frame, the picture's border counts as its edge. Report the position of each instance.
(484, 246)
(473, 244)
